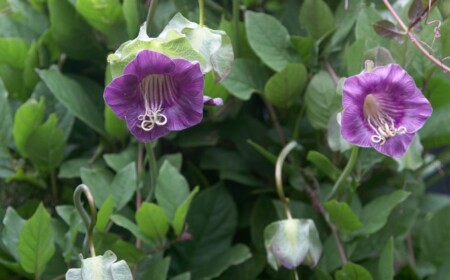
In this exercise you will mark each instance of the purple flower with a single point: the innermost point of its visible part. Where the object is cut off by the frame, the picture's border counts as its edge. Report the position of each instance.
(383, 109)
(156, 95)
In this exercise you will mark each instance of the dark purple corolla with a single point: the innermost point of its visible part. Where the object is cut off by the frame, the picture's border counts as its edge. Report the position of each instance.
(383, 109)
(157, 94)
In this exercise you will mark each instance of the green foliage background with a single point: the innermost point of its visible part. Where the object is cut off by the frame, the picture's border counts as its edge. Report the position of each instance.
(215, 190)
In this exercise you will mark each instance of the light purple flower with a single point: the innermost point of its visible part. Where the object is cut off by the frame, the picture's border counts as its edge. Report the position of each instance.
(383, 109)
(156, 95)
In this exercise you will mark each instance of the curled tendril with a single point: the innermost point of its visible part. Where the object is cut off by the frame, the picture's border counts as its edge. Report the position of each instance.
(89, 220)
(279, 178)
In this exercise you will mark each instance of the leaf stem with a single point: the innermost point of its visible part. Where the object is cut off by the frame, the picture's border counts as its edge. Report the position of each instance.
(348, 169)
(150, 15)
(414, 39)
(201, 9)
(153, 169)
(89, 220)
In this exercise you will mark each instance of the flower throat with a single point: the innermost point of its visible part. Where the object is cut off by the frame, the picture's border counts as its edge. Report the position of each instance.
(156, 90)
(380, 122)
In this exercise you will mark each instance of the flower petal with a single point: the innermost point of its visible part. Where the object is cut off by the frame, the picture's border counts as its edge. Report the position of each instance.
(148, 63)
(122, 95)
(133, 125)
(212, 101)
(395, 146)
(188, 109)
(353, 127)
(416, 112)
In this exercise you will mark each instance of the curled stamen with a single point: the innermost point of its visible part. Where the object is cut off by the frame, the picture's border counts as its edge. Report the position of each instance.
(382, 129)
(160, 119)
(151, 118)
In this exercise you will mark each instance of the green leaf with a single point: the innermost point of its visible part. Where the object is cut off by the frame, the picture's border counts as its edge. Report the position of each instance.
(122, 159)
(316, 17)
(376, 213)
(104, 214)
(158, 270)
(14, 52)
(212, 222)
(45, 145)
(352, 271)
(176, 160)
(324, 164)
(233, 256)
(131, 15)
(269, 39)
(321, 100)
(30, 77)
(115, 126)
(386, 262)
(181, 213)
(435, 237)
(283, 88)
(183, 276)
(71, 33)
(13, 224)
(72, 95)
(364, 24)
(105, 16)
(152, 221)
(387, 29)
(412, 159)
(436, 131)
(131, 227)
(6, 121)
(52, 105)
(72, 168)
(99, 182)
(343, 216)
(124, 185)
(245, 78)
(354, 57)
(27, 118)
(172, 189)
(36, 245)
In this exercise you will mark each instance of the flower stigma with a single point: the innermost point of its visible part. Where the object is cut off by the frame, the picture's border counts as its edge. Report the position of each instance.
(380, 122)
(156, 90)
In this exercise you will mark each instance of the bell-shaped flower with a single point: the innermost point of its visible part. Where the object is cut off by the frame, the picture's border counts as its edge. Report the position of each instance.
(156, 95)
(292, 242)
(383, 109)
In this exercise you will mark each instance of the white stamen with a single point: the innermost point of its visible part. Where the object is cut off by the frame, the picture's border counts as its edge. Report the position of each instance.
(156, 90)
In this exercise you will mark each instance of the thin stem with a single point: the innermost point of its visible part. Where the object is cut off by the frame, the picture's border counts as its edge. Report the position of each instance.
(331, 72)
(410, 247)
(54, 187)
(150, 15)
(153, 169)
(279, 176)
(276, 124)
(348, 169)
(236, 16)
(296, 133)
(414, 39)
(318, 205)
(140, 164)
(89, 220)
(425, 12)
(201, 9)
